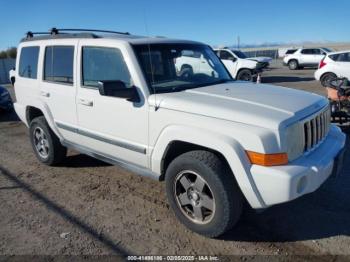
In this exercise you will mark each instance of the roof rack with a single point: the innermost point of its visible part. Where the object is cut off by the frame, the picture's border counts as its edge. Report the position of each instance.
(56, 31)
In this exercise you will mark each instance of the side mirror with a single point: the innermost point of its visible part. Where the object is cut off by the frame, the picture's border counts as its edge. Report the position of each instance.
(233, 59)
(117, 88)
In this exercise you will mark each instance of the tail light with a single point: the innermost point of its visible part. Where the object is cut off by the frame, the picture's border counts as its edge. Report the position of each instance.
(322, 63)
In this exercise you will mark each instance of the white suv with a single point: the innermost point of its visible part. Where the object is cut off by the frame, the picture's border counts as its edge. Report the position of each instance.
(215, 142)
(239, 67)
(305, 57)
(336, 64)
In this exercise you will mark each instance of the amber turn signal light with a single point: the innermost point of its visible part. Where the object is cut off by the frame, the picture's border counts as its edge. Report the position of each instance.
(267, 159)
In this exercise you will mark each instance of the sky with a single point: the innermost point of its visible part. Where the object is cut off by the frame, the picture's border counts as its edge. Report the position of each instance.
(213, 22)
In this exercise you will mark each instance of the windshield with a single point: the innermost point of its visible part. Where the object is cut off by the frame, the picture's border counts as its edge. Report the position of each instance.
(239, 54)
(327, 49)
(177, 67)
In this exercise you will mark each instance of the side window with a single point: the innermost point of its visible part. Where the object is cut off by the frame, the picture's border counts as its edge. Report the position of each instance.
(344, 57)
(225, 55)
(316, 51)
(28, 62)
(307, 51)
(58, 66)
(103, 63)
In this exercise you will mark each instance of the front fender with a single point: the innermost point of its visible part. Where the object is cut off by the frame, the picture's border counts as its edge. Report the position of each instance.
(227, 146)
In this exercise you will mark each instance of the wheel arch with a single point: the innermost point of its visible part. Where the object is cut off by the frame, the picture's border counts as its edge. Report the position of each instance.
(176, 140)
(33, 111)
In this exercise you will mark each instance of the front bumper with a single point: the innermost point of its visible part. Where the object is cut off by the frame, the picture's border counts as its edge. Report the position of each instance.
(280, 184)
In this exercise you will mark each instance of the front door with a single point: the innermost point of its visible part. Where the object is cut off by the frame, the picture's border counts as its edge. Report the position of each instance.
(111, 126)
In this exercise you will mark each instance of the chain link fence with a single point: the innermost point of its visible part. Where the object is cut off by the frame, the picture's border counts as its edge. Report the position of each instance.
(273, 53)
(5, 66)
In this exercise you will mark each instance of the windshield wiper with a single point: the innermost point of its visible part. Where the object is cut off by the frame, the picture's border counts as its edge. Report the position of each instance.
(191, 86)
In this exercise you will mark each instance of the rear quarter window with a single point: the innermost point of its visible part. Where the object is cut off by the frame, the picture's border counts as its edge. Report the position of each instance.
(28, 62)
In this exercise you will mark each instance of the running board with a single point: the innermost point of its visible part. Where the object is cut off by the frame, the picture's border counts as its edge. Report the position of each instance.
(139, 170)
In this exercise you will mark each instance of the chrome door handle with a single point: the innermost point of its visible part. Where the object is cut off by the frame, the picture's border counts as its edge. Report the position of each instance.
(86, 102)
(44, 93)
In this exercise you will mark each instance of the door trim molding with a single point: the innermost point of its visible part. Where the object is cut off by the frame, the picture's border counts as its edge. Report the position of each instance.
(123, 144)
(139, 170)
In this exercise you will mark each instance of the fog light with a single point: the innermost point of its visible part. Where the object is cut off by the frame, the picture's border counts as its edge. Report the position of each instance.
(302, 183)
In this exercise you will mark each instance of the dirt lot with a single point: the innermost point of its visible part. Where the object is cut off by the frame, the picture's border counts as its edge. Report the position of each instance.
(88, 207)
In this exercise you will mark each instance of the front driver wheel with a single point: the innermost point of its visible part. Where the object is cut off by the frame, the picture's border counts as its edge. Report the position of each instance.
(203, 193)
(245, 75)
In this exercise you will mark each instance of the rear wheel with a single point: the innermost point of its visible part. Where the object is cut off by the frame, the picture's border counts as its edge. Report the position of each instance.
(46, 145)
(293, 64)
(327, 78)
(203, 193)
(245, 75)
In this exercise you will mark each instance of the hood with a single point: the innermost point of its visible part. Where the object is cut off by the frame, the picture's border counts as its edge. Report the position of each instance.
(246, 63)
(261, 59)
(261, 105)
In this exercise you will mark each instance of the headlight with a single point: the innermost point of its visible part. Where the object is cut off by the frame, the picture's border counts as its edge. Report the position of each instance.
(295, 141)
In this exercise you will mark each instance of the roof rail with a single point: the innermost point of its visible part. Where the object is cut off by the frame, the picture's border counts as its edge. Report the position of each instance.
(55, 31)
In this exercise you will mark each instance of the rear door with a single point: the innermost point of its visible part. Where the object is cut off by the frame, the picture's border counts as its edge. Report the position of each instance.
(58, 83)
(343, 65)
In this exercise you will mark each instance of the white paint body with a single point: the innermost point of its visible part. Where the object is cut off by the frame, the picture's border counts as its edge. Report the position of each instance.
(229, 118)
(338, 68)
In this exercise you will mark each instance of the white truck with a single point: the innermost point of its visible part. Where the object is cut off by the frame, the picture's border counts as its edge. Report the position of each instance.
(239, 66)
(217, 143)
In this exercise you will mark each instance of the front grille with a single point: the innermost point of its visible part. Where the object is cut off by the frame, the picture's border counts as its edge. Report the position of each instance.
(316, 129)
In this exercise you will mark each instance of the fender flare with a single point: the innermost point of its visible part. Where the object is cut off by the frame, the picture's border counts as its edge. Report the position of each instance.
(44, 108)
(230, 148)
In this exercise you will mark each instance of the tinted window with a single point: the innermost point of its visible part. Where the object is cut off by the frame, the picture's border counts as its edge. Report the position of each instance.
(225, 55)
(102, 63)
(28, 62)
(59, 64)
(307, 51)
(316, 51)
(291, 51)
(344, 57)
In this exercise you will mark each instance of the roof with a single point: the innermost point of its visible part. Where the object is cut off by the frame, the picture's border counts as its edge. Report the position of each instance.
(132, 39)
(339, 52)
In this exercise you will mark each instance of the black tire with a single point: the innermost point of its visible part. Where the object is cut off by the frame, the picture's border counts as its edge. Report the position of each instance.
(293, 64)
(186, 72)
(245, 75)
(226, 197)
(326, 78)
(55, 152)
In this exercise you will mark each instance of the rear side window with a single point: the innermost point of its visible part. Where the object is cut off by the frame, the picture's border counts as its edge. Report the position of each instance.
(291, 51)
(103, 63)
(28, 62)
(59, 64)
(343, 57)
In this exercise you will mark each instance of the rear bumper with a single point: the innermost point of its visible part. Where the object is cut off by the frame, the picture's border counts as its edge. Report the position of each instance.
(306, 174)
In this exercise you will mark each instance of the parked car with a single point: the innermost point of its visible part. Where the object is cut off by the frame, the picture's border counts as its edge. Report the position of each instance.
(305, 57)
(239, 68)
(261, 59)
(5, 99)
(333, 65)
(217, 143)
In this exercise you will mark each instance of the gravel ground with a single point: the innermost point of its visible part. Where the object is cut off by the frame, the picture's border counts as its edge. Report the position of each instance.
(89, 207)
